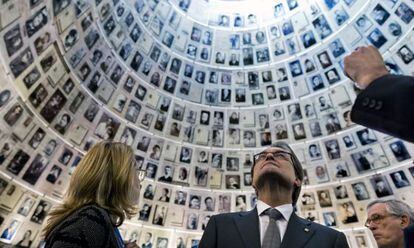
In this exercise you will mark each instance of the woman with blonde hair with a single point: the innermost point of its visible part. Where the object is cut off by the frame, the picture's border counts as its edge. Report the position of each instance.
(103, 190)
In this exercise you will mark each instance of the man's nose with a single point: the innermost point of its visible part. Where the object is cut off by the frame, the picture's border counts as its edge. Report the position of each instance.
(372, 227)
(269, 155)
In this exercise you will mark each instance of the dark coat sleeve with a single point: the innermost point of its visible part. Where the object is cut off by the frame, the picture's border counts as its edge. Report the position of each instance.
(209, 239)
(387, 105)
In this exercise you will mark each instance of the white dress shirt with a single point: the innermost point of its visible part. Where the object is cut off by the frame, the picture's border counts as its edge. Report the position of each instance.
(286, 210)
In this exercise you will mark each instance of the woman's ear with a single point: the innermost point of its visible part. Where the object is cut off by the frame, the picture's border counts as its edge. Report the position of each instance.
(297, 182)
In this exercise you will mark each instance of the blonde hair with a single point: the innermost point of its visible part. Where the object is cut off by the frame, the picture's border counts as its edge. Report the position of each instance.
(105, 177)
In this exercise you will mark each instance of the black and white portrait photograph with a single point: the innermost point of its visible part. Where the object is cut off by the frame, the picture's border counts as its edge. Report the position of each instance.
(360, 191)
(324, 59)
(324, 198)
(164, 194)
(316, 82)
(295, 68)
(63, 122)
(329, 218)
(321, 173)
(308, 199)
(400, 151)
(26, 205)
(381, 186)
(369, 159)
(405, 13)
(341, 16)
(35, 170)
(13, 40)
(332, 76)
(400, 179)
(395, 29)
(347, 213)
(149, 192)
(144, 212)
(333, 149)
(180, 197)
(315, 128)
(379, 14)
(366, 136)
(281, 131)
(18, 161)
(132, 111)
(341, 192)
(167, 174)
(185, 155)
(5, 96)
(377, 38)
(53, 106)
(232, 181)
(54, 174)
(21, 62)
(341, 169)
(294, 112)
(107, 127)
(13, 114)
(41, 211)
(332, 123)
(322, 27)
(308, 39)
(363, 23)
(37, 138)
(406, 54)
(160, 215)
(299, 131)
(37, 21)
(314, 151)
(59, 6)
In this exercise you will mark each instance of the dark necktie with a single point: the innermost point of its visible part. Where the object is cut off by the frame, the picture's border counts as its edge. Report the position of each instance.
(272, 235)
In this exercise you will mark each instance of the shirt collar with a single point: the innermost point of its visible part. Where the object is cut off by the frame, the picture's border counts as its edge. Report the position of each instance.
(286, 209)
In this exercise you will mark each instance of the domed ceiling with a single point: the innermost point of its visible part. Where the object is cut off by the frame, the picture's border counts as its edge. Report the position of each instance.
(196, 88)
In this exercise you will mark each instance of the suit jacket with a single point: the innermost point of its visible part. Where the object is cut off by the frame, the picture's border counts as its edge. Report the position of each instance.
(386, 105)
(409, 236)
(242, 230)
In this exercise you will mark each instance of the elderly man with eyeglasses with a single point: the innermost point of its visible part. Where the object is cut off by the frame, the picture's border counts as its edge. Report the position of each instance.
(277, 178)
(388, 220)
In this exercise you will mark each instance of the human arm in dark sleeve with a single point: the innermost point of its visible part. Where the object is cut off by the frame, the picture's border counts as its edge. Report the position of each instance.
(209, 239)
(387, 105)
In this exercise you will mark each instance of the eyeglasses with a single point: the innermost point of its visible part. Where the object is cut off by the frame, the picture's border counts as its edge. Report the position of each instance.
(278, 155)
(377, 219)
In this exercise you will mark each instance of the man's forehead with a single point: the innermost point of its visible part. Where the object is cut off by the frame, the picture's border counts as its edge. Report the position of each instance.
(378, 208)
(275, 149)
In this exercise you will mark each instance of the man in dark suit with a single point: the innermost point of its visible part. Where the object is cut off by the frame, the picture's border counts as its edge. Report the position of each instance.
(409, 236)
(277, 177)
(389, 222)
(383, 103)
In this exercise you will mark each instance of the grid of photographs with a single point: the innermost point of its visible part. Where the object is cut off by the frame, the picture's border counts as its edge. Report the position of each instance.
(196, 97)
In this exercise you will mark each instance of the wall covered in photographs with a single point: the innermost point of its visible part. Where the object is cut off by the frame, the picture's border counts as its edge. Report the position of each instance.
(196, 88)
